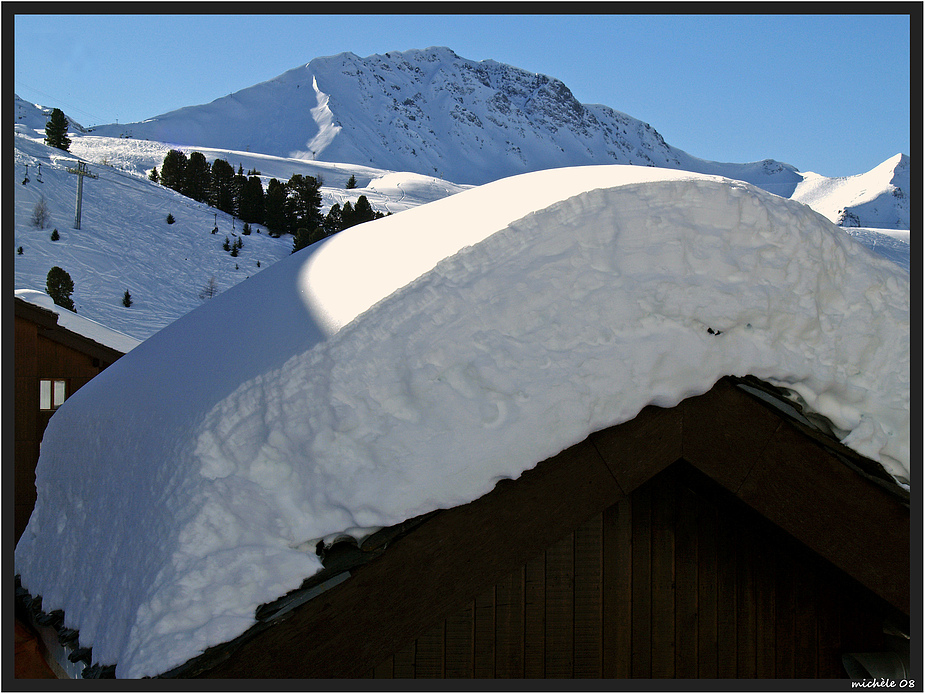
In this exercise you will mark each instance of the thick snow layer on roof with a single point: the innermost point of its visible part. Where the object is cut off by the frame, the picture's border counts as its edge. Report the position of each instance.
(79, 324)
(409, 363)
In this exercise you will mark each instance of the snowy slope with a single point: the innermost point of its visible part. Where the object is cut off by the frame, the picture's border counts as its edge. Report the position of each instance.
(878, 198)
(356, 384)
(892, 244)
(31, 117)
(165, 267)
(125, 243)
(434, 113)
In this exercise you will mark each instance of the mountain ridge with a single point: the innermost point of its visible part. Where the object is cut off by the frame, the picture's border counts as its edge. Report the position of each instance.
(125, 240)
(434, 113)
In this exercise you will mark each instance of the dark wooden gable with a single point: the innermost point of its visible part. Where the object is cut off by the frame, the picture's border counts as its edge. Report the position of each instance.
(596, 562)
(677, 580)
(43, 349)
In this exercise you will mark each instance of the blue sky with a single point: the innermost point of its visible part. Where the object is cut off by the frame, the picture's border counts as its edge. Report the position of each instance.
(825, 93)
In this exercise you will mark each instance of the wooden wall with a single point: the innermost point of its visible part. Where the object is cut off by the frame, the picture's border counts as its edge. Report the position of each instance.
(36, 356)
(678, 580)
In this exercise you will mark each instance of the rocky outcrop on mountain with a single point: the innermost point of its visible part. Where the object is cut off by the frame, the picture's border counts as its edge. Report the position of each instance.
(435, 113)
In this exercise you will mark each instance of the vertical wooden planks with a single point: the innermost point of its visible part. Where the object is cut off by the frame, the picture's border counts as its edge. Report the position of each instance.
(784, 628)
(805, 656)
(673, 581)
(429, 653)
(765, 611)
(664, 502)
(403, 662)
(687, 586)
(617, 603)
(746, 602)
(588, 582)
(509, 626)
(458, 643)
(828, 630)
(560, 567)
(707, 593)
(726, 637)
(384, 669)
(642, 583)
(535, 617)
(484, 635)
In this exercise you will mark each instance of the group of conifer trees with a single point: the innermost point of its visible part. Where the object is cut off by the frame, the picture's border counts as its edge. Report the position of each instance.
(293, 207)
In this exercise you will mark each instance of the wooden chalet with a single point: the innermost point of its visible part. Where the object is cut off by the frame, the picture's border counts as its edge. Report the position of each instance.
(726, 537)
(50, 363)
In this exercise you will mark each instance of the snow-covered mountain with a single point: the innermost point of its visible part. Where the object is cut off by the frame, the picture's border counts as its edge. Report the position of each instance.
(125, 243)
(878, 198)
(33, 117)
(434, 113)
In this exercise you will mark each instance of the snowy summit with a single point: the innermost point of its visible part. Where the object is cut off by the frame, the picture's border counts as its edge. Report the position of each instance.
(435, 113)
(409, 363)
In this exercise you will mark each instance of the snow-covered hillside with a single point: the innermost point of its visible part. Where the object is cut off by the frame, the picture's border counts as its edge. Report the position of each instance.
(390, 370)
(434, 113)
(125, 242)
(32, 118)
(878, 198)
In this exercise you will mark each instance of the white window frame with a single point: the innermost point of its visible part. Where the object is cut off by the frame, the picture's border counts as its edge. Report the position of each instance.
(52, 393)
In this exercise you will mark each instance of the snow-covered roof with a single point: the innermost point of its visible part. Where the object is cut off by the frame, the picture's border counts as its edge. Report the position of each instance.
(79, 324)
(407, 364)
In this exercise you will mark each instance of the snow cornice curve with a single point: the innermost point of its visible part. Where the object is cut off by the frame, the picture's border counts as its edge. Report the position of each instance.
(524, 324)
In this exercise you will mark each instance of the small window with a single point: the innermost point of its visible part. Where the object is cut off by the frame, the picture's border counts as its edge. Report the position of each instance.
(51, 393)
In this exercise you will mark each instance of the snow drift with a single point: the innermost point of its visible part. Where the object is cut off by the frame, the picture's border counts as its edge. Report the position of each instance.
(409, 363)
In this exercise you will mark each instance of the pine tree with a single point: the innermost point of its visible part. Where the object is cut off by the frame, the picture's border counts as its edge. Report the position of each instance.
(303, 237)
(303, 202)
(55, 235)
(363, 211)
(251, 205)
(274, 205)
(351, 182)
(221, 190)
(196, 177)
(59, 286)
(126, 299)
(346, 216)
(238, 183)
(154, 176)
(173, 170)
(56, 130)
(332, 220)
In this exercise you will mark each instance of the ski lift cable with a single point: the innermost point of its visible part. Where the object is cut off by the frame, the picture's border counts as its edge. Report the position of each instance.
(70, 107)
